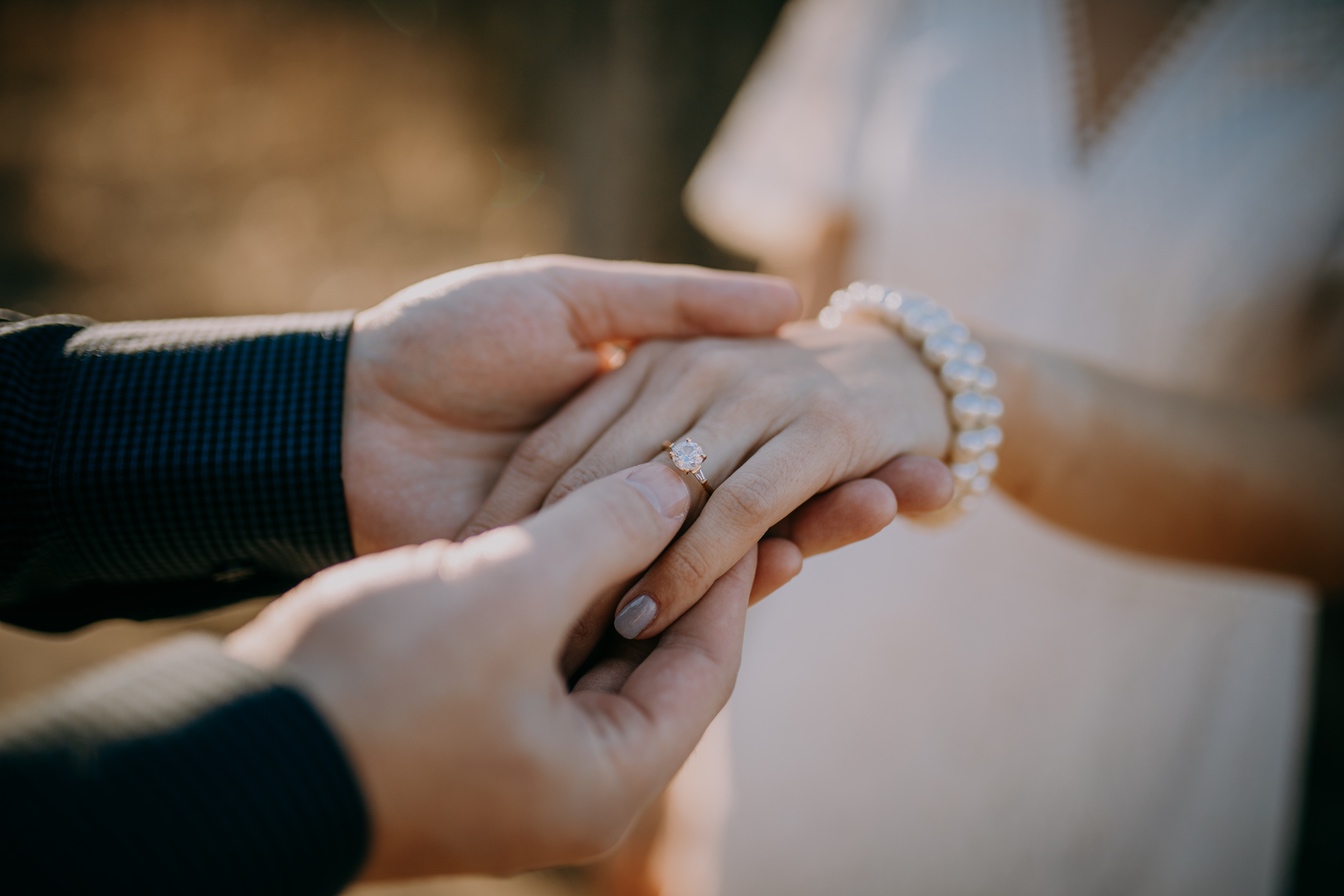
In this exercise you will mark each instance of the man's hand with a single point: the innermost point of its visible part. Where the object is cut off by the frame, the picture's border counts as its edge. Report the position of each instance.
(445, 378)
(437, 667)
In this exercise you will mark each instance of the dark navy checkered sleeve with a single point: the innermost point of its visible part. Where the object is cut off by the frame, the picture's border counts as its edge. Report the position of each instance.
(149, 469)
(177, 770)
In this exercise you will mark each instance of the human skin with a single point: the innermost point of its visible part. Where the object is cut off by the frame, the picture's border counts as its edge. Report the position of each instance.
(473, 754)
(1172, 475)
(781, 419)
(445, 379)
(1131, 465)
(1252, 485)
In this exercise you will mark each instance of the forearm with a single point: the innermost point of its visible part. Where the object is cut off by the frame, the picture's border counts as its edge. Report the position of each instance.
(1172, 475)
(155, 468)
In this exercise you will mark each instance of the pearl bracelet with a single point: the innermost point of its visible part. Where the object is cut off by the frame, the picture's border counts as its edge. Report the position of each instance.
(959, 363)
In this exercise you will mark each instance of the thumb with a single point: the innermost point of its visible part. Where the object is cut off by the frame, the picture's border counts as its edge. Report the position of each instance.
(599, 536)
(619, 300)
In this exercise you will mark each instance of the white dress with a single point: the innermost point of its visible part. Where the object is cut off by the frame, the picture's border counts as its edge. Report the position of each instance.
(1001, 707)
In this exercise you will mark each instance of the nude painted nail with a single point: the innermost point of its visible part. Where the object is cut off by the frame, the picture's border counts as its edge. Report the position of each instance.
(636, 616)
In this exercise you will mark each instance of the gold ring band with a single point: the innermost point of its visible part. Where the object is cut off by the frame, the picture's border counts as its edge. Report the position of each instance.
(687, 456)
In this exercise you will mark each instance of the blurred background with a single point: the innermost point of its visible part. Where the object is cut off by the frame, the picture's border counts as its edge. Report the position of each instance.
(161, 158)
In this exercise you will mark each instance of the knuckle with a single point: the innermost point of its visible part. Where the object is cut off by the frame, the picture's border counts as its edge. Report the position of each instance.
(718, 361)
(540, 456)
(836, 426)
(698, 364)
(680, 361)
(569, 483)
(747, 500)
(686, 562)
(831, 407)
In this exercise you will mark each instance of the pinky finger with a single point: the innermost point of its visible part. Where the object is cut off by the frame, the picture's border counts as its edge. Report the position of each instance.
(850, 512)
(778, 560)
(921, 484)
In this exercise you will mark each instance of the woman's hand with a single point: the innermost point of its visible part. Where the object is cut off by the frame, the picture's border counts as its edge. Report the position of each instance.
(782, 421)
(436, 667)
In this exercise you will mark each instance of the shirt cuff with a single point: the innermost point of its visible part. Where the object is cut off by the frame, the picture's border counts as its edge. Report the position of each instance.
(178, 770)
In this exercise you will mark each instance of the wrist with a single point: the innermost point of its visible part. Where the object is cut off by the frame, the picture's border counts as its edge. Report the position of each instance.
(945, 346)
(923, 416)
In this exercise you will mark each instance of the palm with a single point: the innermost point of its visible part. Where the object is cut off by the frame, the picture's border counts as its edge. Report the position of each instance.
(447, 377)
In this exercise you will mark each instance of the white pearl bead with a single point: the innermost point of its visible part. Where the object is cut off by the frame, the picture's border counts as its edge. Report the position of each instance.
(956, 332)
(910, 324)
(946, 346)
(964, 473)
(831, 317)
(939, 349)
(858, 298)
(913, 306)
(968, 409)
(973, 353)
(920, 326)
(958, 376)
(916, 304)
(968, 446)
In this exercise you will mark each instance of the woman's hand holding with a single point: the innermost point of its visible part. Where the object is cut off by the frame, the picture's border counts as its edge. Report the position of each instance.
(782, 421)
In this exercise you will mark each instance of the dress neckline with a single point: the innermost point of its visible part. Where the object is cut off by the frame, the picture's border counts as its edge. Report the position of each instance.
(1096, 117)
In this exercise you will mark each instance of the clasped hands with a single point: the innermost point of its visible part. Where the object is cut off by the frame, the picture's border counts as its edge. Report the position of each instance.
(476, 399)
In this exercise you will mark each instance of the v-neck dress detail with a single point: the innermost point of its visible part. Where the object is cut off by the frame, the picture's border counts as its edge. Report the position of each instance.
(1095, 115)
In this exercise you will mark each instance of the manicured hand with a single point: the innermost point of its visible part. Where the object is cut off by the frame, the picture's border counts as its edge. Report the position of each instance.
(795, 429)
(437, 667)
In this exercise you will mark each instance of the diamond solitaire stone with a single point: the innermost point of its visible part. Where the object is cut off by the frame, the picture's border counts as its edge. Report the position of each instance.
(687, 455)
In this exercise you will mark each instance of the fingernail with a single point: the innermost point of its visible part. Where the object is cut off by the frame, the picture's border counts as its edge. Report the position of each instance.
(636, 616)
(665, 489)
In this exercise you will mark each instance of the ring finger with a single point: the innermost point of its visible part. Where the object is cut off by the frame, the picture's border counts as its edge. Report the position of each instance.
(708, 446)
(624, 446)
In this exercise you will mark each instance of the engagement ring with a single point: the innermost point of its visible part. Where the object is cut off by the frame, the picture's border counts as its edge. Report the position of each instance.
(687, 456)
